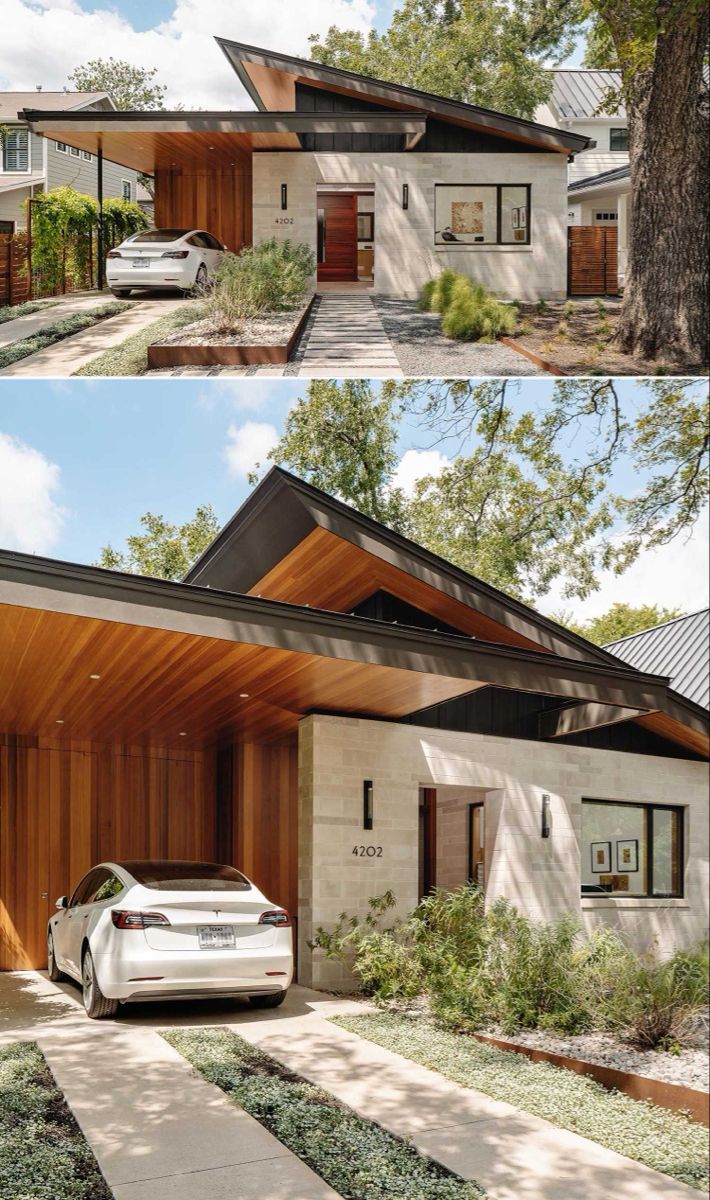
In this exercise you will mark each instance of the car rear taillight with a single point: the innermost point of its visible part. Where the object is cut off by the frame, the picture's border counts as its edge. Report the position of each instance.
(124, 919)
(114, 254)
(276, 916)
(175, 253)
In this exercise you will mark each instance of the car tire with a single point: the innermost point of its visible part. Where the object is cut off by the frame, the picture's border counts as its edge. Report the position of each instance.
(52, 969)
(96, 1005)
(121, 293)
(201, 280)
(272, 1001)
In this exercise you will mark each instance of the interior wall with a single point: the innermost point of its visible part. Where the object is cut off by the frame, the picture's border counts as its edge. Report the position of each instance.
(220, 202)
(62, 810)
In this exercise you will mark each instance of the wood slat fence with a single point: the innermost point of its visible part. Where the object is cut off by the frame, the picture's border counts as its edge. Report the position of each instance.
(14, 274)
(592, 261)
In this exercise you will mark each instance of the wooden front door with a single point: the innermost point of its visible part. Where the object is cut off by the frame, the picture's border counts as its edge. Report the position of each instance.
(337, 236)
(592, 260)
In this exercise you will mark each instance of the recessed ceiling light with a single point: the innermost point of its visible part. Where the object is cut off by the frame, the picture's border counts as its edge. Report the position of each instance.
(94, 677)
(58, 722)
(181, 734)
(243, 695)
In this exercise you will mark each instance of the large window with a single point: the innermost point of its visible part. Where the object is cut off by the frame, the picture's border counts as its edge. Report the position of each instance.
(15, 151)
(631, 849)
(486, 214)
(619, 139)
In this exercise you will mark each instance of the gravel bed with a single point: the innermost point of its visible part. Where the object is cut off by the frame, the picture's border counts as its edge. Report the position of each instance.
(423, 350)
(274, 329)
(690, 1068)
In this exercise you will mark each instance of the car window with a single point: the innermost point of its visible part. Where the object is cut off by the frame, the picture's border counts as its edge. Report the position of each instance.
(213, 243)
(159, 235)
(86, 887)
(165, 875)
(110, 887)
(199, 239)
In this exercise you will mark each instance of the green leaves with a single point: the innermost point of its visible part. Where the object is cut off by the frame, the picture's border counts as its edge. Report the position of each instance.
(619, 621)
(128, 86)
(164, 551)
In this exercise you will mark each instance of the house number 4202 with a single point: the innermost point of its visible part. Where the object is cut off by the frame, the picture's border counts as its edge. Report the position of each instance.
(284, 221)
(367, 851)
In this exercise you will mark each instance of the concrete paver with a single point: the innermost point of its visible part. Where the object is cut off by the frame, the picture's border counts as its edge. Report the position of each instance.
(346, 335)
(161, 1133)
(52, 310)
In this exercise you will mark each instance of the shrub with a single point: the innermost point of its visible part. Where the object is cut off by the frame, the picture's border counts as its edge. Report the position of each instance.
(268, 278)
(442, 289)
(426, 295)
(656, 1003)
(474, 315)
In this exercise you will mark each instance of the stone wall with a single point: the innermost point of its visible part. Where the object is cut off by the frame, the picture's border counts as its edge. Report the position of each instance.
(541, 876)
(405, 255)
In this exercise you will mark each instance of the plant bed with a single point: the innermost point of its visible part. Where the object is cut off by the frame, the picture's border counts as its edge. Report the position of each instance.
(52, 334)
(11, 312)
(43, 1152)
(356, 1157)
(130, 357)
(666, 1141)
(259, 341)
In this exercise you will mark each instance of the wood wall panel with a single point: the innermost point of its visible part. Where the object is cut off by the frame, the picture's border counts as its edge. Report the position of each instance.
(219, 201)
(593, 260)
(63, 810)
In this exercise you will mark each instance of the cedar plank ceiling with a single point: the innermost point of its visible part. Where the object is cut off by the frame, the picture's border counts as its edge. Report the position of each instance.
(157, 684)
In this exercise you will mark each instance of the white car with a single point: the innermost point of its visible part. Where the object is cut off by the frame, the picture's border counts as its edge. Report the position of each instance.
(163, 258)
(160, 930)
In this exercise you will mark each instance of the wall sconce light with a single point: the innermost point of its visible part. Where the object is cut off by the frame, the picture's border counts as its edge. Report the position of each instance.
(405, 195)
(367, 804)
(284, 196)
(546, 816)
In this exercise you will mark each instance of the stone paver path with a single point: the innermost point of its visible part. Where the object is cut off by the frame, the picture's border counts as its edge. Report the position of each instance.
(161, 1133)
(347, 337)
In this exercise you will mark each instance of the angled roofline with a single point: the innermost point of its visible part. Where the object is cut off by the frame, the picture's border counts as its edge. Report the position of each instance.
(95, 121)
(239, 52)
(601, 180)
(661, 625)
(47, 584)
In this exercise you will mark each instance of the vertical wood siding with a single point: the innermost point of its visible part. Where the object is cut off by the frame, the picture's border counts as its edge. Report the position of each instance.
(220, 202)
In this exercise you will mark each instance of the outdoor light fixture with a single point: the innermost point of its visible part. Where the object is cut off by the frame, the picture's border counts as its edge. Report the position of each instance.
(545, 816)
(367, 804)
(284, 196)
(405, 195)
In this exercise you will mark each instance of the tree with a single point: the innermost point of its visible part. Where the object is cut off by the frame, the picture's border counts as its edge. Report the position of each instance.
(660, 48)
(494, 55)
(619, 621)
(164, 551)
(128, 86)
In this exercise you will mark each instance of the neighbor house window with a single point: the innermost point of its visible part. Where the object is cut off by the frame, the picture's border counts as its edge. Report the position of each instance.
(86, 156)
(15, 151)
(631, 849)
(619, 139)
(604, 216)
(125, 189)
(75, 152)
(486, 214)
(62, 147)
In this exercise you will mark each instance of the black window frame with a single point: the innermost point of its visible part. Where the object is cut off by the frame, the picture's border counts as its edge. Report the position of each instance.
(499, 216)
(648, 810)
(619, 129)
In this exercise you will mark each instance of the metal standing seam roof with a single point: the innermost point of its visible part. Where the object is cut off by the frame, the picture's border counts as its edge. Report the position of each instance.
(617, 175)
(679, 649)
(578, 94)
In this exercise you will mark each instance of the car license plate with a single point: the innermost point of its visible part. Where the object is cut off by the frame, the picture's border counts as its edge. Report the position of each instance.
(216, 937)
(138, 262)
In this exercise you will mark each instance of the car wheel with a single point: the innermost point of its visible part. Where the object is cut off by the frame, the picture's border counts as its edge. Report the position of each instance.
(52, 969)
(201, 280)
(272, 1001)
(121, 293)
(96, 1004)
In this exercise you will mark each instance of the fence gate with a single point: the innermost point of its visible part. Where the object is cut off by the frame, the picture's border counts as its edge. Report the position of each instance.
(592, 261)
(14, 275)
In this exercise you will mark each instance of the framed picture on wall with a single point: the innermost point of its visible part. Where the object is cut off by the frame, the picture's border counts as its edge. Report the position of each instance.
(523, 217)
(365, 226)
(601, 857)
(627, 855)
(515, 218)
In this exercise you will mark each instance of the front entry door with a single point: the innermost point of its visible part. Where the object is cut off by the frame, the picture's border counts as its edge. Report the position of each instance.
(337, 236)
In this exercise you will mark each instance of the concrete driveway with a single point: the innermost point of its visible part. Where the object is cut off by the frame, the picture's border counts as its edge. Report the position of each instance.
(159, 1132)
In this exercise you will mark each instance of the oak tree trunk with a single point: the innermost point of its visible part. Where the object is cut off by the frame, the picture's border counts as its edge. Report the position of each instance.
(664, 312)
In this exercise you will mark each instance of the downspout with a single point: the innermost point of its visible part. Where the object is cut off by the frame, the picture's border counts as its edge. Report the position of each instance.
(100, 277)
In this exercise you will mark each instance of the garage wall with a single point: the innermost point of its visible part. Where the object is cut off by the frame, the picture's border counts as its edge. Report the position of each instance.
(220, 202)
(61, 810)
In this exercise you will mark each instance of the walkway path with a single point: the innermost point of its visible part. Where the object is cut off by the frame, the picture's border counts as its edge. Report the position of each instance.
(160, 1133)
(52, 310)
(346, 338)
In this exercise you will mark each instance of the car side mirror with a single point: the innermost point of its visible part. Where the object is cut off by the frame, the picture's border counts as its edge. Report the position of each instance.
(62, 902)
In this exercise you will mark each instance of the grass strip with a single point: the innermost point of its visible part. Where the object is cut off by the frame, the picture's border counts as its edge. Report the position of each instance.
(60, 330)
(43, 1153)
(666, 1141)
(8, 312)
(131, 357)
(358, 1158)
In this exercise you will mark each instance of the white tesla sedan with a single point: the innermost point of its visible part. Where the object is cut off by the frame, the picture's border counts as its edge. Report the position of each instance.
(160, 930)
(163, 258)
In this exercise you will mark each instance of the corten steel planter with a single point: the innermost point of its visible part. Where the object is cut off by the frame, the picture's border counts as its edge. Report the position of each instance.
(639, 1087)
(208, 355)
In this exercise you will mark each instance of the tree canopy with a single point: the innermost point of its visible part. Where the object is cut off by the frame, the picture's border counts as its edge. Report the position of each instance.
(163, 550)
(129, 86)
(619, 621)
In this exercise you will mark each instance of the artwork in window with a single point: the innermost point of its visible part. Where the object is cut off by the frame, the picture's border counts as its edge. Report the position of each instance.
(601, 857)
(627, 855)
(467, 216)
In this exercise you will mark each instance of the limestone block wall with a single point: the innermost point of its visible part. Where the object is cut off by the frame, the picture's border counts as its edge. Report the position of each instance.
(405, 255)
(541, 876)
(451, 842)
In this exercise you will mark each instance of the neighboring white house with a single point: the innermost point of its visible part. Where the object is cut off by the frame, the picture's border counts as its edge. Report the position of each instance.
(30, 164)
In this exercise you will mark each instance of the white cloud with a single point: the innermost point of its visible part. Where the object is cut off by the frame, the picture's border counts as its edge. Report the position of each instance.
(248, 445)
(415, 464)
(672, 576)
(43, 41)
(245, 396)
(31, 520)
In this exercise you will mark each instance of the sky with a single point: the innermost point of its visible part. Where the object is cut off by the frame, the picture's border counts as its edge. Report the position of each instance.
(82, 460)
(44, 40)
